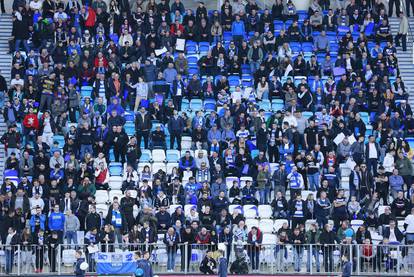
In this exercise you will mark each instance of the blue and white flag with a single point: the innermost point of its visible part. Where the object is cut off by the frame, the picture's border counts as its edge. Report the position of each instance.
(115, 263)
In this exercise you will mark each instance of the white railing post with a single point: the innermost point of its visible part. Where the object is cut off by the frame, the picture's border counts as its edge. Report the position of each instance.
(19, 253)
(358, 260)
(59, 259)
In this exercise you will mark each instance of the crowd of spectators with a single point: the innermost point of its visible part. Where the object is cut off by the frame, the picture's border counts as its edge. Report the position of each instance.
(263, 105)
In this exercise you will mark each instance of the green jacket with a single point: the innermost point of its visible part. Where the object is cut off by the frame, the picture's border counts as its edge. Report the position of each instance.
(309, 236)
(404, 166)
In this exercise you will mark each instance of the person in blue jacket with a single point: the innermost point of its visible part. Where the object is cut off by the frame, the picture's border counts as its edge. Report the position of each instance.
(56, 221)
(144, 263)
(37, 221)
(222, 269)
(238, 31)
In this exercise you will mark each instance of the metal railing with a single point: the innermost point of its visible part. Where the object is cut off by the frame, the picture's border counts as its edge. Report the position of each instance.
(275, 258)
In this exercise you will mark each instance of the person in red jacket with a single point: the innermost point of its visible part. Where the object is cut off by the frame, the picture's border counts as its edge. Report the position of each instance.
(30, 126)
(176, 27)
(102, 177)
(90, 20)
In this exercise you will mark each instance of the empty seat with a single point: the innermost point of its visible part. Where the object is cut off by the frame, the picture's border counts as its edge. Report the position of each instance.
(172, 155)
(234, 81)
(101, 196)
(250, 222)
(250, 211)
(146, 156)
(115, 183)
(158, 166)
(233, 207)
(102, 208)
(266, 226)
(196, 104)
(115, 193)
(158, 155)
(265, 211)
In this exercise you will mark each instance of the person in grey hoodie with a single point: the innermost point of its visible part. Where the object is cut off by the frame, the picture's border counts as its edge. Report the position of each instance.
(343, 150)
(72, 225)
(170, 73)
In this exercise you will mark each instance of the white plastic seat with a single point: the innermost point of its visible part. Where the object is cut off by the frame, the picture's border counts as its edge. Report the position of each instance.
(251, 222)
(187, 209)
(158, 155)
(308, 223)
(230, 180)
(141, 166)
(266, 226)
(305, 194)
(173, 208)
(233, 207)
(68, 257)
(186, 143)
(356, 223)
(102, 208)
(101, 196)
(265, 211)
(279, 223)
(200, 150)
(170, 167)
(381, 209)
(244, 179)
(115, 182)
(133, 193)
(117, 193)
(158, 166)
(250, 211)
(269, 239)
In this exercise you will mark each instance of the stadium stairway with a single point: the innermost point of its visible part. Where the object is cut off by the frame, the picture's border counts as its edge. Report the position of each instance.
(405, 59)
(5, 68)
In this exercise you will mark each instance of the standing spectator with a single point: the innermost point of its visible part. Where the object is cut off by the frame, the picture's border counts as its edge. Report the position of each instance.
(56, 222)
(143, 126)
(171, 241)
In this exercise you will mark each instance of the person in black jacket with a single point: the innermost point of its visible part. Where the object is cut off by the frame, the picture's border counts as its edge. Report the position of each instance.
(175, 127)
(208, 264)
(143, 126)
(120, 141)
(53, 244)
(20, 32)
(327, 239)
(92, 220)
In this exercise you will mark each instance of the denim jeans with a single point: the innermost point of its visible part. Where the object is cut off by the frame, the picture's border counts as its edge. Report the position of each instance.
(71, 236)
(9, 261)
(254, 66)
(313, 252)
(171, 259)
(297, 257)
(264, 195)
(280, 254)
(85, 148)
(313, 181)
(26, 46)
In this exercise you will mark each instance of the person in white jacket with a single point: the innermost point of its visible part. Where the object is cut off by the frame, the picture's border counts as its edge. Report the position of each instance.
(388, 162)
(409, 227)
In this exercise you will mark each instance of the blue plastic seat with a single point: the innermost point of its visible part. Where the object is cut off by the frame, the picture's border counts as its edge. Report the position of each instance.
(196, 104)
(265, 105)
(234, 81)
(191, 49)
(192, 71)
(192, 60)
(145, 156)
(209, 105)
